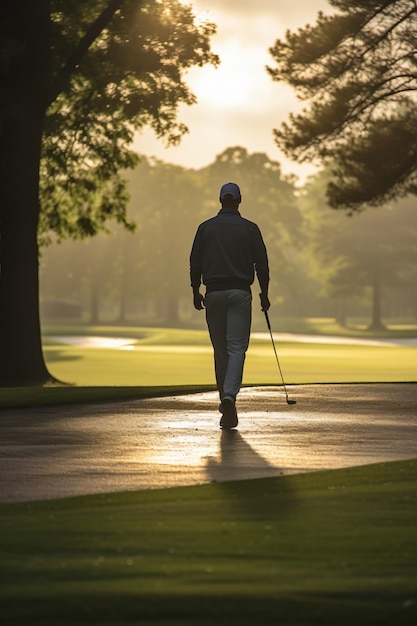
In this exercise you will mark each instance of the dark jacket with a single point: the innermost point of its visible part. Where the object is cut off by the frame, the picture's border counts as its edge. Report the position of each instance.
(226, 252)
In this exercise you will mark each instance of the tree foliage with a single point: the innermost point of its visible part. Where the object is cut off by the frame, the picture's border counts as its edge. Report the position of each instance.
(130, 76)
(367, 252)
(357, 68)
(165, 202)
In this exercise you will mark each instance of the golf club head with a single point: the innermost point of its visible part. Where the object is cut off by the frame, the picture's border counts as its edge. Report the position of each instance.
(291, 401)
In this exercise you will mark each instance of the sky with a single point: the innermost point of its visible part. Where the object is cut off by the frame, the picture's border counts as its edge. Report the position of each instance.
(238, 104)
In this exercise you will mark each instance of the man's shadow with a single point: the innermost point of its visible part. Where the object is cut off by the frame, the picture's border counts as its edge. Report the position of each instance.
(238, 461)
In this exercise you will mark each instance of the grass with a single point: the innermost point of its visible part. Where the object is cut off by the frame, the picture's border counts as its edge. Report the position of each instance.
(179, 364)
(29, 397)
(328, 548)
(166, 360)
(164, 356)
(167, 357)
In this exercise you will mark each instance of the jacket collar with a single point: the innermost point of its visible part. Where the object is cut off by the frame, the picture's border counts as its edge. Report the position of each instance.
(228, 212)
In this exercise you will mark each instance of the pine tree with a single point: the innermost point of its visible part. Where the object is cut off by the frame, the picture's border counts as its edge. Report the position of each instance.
(357, 70)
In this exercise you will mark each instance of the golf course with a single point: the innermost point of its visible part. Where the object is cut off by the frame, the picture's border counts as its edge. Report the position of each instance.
(208, 313)
(327, 547)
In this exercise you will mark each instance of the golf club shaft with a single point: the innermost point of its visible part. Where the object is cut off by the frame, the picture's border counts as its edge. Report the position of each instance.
(276, 355)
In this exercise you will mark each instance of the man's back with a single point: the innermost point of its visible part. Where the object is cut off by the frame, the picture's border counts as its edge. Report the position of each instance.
(226, 249)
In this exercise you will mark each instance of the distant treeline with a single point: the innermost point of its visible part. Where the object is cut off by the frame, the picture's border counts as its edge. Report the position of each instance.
(323, 261)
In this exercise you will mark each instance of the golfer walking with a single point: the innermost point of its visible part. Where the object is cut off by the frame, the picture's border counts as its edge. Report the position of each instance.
(227, 251)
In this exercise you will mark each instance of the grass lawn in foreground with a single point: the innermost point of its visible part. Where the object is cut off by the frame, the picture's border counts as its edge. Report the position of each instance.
(329, 548)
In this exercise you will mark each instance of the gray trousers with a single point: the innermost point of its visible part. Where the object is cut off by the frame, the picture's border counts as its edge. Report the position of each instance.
(229, 317)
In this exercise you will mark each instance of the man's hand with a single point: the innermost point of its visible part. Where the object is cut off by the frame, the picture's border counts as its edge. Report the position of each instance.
(198, 301)
(265, 304)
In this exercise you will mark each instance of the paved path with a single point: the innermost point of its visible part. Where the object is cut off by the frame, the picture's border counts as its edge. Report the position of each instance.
(72, 450)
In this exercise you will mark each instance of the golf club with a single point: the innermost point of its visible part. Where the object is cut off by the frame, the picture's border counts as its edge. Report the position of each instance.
(276, 356)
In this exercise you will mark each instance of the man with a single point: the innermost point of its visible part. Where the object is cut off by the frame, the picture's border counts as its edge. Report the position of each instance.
(226, 252)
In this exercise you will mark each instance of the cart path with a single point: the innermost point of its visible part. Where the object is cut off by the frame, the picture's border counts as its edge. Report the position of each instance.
(155, 443)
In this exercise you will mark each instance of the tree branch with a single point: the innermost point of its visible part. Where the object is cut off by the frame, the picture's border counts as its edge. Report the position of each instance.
(374, 44)
(82, 48)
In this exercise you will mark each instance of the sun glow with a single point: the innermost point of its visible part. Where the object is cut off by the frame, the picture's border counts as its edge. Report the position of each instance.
(237, 102)
(238, 82)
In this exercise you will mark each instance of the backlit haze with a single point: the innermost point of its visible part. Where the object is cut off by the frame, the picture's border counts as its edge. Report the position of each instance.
(238, 103)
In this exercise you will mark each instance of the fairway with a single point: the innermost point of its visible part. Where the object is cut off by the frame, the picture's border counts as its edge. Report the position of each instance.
(327, 548)
(172, 357)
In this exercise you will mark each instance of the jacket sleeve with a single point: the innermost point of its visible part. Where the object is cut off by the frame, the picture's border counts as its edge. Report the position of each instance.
(261, 261)
(196, 260)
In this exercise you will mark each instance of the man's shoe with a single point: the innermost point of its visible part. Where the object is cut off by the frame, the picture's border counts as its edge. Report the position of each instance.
(229, 419)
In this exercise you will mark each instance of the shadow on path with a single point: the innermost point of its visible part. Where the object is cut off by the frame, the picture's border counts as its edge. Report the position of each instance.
(237, 460)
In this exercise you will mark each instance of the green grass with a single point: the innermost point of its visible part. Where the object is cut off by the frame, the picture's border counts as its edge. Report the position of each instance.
(184, 357)
(328, 548)
(29, 397)
(175, 364)
(165, 360)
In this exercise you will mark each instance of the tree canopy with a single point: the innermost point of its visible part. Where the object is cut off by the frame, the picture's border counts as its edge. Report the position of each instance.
(364, 256)
(131, 75)
(357, 69)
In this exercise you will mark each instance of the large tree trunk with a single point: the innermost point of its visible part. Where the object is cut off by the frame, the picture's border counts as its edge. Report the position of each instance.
(26, 24)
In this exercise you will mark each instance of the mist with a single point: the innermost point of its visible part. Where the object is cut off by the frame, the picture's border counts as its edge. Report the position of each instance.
(143, 277)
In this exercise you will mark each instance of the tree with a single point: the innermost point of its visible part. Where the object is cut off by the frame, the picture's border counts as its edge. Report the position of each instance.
(366, 253)
(358, 70)
(77, 80)
(164, 200)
